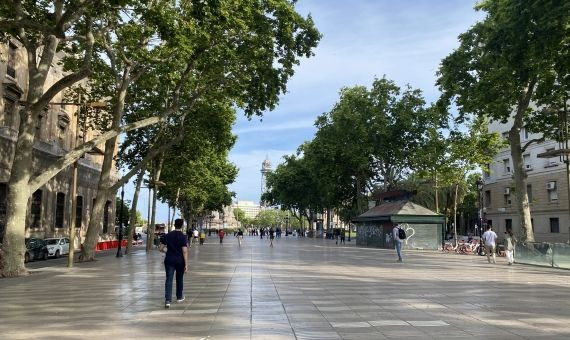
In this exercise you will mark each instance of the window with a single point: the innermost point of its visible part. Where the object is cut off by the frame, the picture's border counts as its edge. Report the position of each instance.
(532, 224)
(11, 66)
(487, 198)
(78, 211)
(59, 209)
(505, 135)
(106, 214)
(508, 200)
(552, 193)
(3, 208)
(506, 166)
(508, 224)
(524, 133)
(554, 225)
(526, 161)
(529, 192)
(36, 209)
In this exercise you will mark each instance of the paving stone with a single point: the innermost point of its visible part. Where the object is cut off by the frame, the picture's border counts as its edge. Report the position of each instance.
(300, 289)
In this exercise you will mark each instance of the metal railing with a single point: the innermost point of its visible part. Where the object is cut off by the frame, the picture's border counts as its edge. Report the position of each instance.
(556, 255)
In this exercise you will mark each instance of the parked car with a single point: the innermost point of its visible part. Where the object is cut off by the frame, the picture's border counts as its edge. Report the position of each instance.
(57, 246)
(35, 249)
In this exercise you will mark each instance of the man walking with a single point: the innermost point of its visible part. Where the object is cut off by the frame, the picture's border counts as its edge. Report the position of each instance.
(396, 234)
(239, 237)
(221, 234)
(490, 239)
(271, 236)
(342, 236)
(195, 235)
(175, 245)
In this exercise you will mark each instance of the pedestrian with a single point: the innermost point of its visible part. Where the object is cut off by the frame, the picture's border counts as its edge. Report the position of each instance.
(240, 236)
(336, 235)
(271, 236)
(202, 236)
(175, 245)
(510, 242)
(399, 235)
(195, 235)
(342, 235)
(490, 239)
(221, 234)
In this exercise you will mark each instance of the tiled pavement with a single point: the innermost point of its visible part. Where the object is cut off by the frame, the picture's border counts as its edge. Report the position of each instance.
(299, 289)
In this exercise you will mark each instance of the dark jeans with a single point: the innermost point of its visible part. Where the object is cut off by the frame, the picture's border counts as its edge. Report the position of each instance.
(170, 268)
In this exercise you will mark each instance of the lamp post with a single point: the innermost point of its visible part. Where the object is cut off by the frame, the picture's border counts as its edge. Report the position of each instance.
(119, 251)
(480, 214)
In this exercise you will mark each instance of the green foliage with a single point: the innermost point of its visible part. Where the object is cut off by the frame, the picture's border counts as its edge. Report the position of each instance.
(126, 212)
(239, 215)
(369, 139)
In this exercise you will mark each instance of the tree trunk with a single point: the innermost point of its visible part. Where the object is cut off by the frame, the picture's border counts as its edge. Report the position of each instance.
(94, 229)
(520, 176)
(329, 222)
(13, 247)
(455, 214)
(436, 195)
(133, 217)
(156, 178)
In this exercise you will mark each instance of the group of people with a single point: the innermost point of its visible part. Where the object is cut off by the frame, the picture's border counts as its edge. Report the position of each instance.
(488, 240)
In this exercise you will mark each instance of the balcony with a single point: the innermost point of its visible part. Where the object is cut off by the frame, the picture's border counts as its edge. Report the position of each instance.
(11, 71)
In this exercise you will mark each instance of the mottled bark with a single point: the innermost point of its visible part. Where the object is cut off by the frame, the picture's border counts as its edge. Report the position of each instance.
(520, 176)
(103, 192)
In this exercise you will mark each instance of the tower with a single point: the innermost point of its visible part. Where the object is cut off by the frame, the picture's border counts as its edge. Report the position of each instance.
(265, 169)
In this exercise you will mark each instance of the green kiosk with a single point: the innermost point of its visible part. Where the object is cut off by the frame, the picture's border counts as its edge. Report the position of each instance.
(423, 227)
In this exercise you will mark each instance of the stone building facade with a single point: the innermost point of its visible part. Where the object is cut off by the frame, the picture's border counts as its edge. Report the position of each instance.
(57, 131)
(547, 187)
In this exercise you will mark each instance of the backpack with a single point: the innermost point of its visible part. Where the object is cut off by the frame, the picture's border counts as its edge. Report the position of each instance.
(401, 234)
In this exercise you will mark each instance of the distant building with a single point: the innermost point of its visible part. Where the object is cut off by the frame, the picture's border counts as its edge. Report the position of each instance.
(266, 169)
(546, 188)
(49, 208)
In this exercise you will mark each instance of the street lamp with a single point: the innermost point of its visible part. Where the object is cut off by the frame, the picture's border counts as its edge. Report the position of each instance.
(480, 214)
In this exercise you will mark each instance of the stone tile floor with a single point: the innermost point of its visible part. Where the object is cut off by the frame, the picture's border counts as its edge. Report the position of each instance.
(299, 289)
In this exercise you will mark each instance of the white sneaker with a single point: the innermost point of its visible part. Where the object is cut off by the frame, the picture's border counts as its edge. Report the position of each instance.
(181, 300)
(167, 305)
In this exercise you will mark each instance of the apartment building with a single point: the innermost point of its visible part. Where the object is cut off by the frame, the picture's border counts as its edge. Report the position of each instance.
(57, 131)
(547, 185)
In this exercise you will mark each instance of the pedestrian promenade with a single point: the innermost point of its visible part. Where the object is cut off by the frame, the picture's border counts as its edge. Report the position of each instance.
(299, 289)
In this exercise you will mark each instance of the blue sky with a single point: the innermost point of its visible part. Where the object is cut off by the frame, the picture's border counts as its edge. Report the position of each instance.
(362, 39)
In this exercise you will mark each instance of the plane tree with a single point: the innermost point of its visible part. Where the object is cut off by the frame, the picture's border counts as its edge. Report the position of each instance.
(502, 69)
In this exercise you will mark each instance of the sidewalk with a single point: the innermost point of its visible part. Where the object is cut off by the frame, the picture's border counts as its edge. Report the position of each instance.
(299, 289)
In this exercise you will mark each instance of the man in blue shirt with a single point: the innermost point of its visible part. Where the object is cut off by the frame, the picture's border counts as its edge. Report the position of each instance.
(175, 245)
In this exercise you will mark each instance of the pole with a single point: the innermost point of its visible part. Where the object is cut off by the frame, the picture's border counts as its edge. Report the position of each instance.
(148, 218)
(119, 251)
(480, 216)
(74, 196)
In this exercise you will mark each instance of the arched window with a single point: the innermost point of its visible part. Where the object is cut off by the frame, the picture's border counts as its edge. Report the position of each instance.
(59, 209)
(36, 209)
